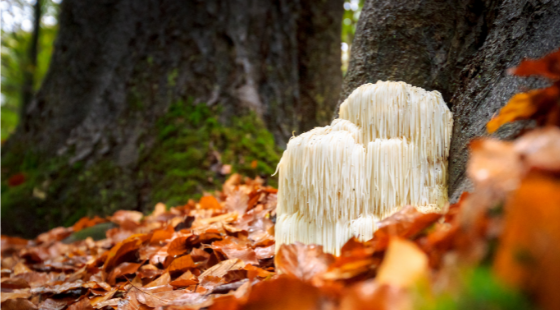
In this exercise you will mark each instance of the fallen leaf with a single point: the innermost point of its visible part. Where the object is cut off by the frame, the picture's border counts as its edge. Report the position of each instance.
(219, 270)
(209, 202)
(547, 66)
(234, 248)
(283, 293)
(302, 261)
(18, 304)
(528, 254)
(181, 264)
(404, 264)
(540, 148)
(16, 179)
(370, 295)
(184, 280)
(121, 270)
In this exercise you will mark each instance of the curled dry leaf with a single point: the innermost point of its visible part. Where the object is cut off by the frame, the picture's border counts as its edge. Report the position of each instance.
(406, 223)
(303, 261)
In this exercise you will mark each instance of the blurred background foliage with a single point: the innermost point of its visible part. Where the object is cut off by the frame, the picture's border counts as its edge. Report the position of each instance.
(16, 38)
(17, 28)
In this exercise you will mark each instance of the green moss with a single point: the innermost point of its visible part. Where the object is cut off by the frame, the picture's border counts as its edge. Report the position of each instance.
(179, 167)
(478, 289)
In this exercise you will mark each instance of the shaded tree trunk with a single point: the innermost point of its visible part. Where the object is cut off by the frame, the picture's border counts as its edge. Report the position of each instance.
(118, 68)
(460, 48)
(29, 70)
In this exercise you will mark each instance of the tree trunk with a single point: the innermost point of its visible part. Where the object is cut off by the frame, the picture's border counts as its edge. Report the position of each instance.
(136, 85)
(31, 68)
(460, 48)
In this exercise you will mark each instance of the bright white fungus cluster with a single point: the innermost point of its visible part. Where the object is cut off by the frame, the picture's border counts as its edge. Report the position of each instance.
(387, 149)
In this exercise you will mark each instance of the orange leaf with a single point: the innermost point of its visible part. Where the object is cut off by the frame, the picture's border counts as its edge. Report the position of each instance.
(86, 222)
(254, 164)
(548, 66)
(537, 103)
(120, 251)
(121, 270)
(283, 293)
(161, 235)
(303, 261)
(528, 255)
(520, 106)
(184, 280)
(209, 202)
(181, 264)
(178, 246)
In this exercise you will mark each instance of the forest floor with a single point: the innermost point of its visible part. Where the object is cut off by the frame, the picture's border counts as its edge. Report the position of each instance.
(497, 248)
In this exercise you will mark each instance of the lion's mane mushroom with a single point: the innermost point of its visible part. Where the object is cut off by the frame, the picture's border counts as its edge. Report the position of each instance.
(387, 149)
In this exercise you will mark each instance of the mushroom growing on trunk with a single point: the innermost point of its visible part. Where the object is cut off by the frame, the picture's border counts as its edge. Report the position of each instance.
(387, 149)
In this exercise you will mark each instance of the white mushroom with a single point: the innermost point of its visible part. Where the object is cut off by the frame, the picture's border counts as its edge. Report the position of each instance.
(388, 149)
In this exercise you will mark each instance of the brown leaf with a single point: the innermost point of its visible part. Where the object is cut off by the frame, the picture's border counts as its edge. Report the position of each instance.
(302, 261)
(548, 66)
(123, 250)
(220, 269)
(181, 264)
(370, 295)
(18, 304)
(235, 248)
(184, 280)
(406, 223)
(14, 283)
(237, 201)
(15, 294)
(265, 252)
(121, 270)
(163, 280)
(283, 293)
(82, 304)
(86, 222)
(178, 246)
(53, 304)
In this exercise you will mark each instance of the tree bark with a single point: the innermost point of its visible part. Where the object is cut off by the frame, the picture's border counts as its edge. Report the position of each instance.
(461, 49)
(118, 66)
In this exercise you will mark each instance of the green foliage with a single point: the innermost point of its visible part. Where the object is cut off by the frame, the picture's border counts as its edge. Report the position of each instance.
(191, 142)
(479, 289)
(15, 61)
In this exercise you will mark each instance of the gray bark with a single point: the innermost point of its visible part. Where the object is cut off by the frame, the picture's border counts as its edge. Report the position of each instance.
(460, 48)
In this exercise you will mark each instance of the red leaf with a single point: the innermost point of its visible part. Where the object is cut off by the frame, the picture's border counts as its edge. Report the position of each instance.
(16, 179)
(548, 66)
